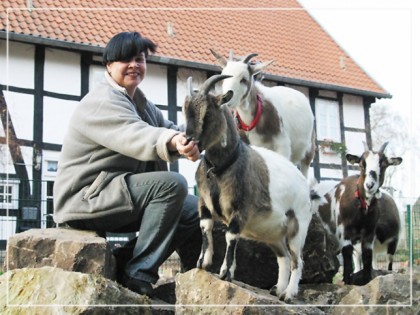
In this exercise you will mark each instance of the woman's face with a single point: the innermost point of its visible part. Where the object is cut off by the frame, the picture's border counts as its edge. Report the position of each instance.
(128, 74)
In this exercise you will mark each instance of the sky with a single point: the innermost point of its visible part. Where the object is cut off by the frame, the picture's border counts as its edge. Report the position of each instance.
(383, 37)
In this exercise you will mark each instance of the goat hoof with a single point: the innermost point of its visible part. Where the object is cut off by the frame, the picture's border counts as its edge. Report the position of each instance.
(226, 277)
(282, 297)
(273, 291)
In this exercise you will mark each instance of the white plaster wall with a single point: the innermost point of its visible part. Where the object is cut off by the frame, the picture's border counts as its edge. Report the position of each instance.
(188, 169)
(27, 153)
(6, 163)
(96, 75)
(2, 132)
(62, 72)
(332, 173)
(353, 111)
(326, 93)
(329, 158)
(18, 67)
(180, 118)
(354, 142)
(7, 227)
(300, 88)
(198, 78)
(352, 172)
(154, 85)
(21, 112)
(57, 114)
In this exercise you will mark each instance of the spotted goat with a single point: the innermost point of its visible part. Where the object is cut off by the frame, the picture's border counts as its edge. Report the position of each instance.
(357, 211)
(278, 118)
(387, 233)
(257, 193)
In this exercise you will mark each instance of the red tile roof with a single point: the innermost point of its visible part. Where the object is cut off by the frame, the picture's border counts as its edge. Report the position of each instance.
(185, 30)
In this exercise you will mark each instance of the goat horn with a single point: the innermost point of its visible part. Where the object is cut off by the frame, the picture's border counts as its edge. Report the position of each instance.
(220, 59)
(365, 146)
(231, 55)
(382, 148)
(189, 86)
(210, 82)
(249, 57)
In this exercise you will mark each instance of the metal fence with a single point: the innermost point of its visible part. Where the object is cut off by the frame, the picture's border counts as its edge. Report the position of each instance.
(408, 248)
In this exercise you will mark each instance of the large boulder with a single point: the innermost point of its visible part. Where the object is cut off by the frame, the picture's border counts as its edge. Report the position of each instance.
(200, 292)
(320, 262)
(68, 249)
(392, 292)
(48, 290)
(257, 264)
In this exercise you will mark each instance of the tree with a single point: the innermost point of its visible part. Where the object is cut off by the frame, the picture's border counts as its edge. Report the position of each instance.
(387, 124)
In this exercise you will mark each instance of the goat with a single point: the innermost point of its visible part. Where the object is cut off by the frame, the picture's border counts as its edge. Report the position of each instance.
(257, 193)
(388, 226)
(357, 211)
(278, 118)
(387, 232)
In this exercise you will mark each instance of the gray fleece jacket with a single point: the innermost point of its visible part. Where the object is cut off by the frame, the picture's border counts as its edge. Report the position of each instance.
(109, 136)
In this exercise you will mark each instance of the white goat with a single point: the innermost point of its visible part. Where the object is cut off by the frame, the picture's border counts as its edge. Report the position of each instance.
(357, 211)
(277, 118)
(256, 192)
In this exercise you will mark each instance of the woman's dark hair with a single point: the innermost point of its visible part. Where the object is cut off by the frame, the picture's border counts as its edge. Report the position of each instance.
(126, 45)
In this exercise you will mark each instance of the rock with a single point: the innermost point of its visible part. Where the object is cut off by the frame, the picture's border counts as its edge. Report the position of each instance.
(320, 262)
(200, 292)
(68, 249)
(392, 292)
(256, 263)
(57, 291)
(321, 294)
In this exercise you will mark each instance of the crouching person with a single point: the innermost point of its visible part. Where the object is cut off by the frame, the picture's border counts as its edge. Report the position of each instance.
(112, 174)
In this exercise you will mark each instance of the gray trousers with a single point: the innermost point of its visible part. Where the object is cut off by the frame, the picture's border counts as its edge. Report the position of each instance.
(164, 215)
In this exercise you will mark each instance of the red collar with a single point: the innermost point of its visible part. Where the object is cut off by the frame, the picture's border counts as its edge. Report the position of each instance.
(363, 204)
(242, 125)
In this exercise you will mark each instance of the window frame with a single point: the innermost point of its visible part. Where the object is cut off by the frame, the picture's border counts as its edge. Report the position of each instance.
(14, 194)
(332, 130)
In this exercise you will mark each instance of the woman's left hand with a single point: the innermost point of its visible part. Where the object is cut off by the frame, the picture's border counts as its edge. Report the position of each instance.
(186, 148)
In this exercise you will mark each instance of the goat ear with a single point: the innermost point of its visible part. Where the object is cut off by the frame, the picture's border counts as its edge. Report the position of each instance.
(224, 99)
(395, 161)
(258, 67)
(220, 59)
(352, 159)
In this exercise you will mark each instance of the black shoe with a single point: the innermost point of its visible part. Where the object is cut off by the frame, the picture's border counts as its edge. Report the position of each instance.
(122, 256)
(140, 286)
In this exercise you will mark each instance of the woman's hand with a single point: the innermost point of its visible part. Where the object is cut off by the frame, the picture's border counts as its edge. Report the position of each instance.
(188, 149)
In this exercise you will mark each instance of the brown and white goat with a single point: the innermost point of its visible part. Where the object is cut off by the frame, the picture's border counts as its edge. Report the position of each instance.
(387, 229)
(357, 211)
(256, 192)
(277, 118)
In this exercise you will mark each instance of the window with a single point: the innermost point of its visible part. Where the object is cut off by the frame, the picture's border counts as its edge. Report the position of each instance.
(52, 166)
(47, 209)
(327, 120)
(9, 191)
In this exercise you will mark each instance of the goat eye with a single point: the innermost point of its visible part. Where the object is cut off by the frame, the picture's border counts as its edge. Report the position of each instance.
(244, 81)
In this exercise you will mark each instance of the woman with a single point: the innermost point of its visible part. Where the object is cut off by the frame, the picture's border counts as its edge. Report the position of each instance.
(112, 174)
